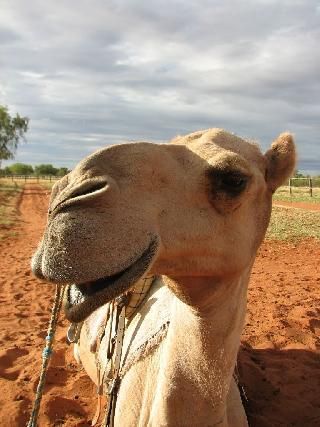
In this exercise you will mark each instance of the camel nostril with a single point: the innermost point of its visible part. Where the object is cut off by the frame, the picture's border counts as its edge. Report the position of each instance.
(82, 191)
(88, 188)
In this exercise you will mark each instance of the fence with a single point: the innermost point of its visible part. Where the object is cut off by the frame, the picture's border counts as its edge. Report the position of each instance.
(31, 178)
(308, 184)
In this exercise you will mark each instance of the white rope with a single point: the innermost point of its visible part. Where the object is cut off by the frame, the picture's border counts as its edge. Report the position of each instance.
(113, 386)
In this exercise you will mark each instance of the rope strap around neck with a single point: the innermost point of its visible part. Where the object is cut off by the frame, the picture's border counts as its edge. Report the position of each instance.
(113, 387)
(46, 354)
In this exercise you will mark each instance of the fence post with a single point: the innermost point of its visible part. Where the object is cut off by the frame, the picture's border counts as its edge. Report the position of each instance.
(290, 188)
(310, 186)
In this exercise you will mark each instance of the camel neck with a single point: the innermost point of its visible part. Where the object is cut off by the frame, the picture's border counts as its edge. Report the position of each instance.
(203, 341)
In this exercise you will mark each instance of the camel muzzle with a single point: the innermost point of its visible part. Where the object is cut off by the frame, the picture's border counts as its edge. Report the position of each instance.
(84, 298)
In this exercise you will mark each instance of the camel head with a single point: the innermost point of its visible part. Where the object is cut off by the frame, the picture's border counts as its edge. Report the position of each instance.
(197, 207)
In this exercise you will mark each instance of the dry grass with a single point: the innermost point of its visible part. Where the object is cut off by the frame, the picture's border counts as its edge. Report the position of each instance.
(47, 184)
(9, 194)
(293, 224)
(298, 195)
(10, 191)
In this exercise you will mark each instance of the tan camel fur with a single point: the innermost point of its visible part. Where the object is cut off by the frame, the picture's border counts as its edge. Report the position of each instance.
(193, 211)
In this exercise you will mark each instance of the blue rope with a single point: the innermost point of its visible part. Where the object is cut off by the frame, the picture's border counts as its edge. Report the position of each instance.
(46, 354)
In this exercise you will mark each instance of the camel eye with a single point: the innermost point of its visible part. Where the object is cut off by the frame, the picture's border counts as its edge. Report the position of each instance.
(233, 182)
(229, 182)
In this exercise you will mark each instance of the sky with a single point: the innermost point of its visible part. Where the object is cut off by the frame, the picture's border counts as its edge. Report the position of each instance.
(92, 73)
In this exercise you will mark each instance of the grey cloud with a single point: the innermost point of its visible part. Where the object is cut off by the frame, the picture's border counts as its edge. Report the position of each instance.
(8, 37)
(148, 70)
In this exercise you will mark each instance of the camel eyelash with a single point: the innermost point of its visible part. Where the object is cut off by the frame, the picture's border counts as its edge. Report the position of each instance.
(232, 182)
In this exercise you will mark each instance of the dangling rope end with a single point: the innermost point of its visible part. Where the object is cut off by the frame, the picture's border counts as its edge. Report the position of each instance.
(46, 354)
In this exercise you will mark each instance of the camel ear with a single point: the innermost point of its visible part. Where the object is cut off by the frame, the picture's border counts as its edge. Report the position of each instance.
(281, 160)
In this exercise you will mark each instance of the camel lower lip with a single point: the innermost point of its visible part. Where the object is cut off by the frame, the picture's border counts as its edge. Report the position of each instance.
(78, 293)
(90, 288)
(84, 298)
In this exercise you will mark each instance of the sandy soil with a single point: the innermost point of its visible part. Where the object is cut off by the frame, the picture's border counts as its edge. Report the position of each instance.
(299, 205)
(279, 363)
(25, 305)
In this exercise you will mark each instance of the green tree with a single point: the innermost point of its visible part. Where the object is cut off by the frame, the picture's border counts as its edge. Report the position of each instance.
(7, 171)
(20, 169)
(62, 171)
(12, 131)
(45, 169)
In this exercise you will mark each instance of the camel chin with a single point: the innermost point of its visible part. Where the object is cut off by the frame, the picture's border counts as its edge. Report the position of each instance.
(82, 299)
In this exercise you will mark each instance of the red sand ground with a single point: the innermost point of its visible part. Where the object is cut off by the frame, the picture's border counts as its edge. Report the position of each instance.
(300, 205)
(279, 363)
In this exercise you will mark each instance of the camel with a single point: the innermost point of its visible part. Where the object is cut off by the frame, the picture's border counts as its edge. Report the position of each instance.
(193, 213)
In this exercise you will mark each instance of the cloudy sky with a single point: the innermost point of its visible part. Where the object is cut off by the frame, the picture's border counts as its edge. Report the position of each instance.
(90, 73)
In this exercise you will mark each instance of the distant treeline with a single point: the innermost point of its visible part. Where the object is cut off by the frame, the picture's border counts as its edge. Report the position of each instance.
(48, 169)
(298, 174)
(24, 169)
(304, 180)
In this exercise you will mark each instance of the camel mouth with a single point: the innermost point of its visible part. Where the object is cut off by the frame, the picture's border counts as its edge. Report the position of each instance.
(82, 299)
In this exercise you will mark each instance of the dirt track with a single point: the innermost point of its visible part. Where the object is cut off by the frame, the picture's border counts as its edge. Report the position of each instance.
(24, 314)
(279, 361)
(298, 205)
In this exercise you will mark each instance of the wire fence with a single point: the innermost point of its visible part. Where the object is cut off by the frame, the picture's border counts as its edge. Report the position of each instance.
(309, 186)
(31, 178)
(300, 187)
